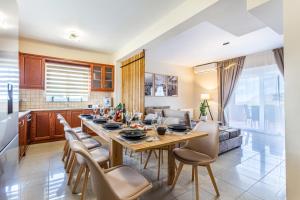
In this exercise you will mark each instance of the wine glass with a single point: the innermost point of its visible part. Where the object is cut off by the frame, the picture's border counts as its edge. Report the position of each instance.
(112, 112)
(95, 109)
(128, 116)
(101, 111)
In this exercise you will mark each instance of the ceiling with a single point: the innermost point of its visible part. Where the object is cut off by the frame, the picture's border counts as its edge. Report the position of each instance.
(107, 25)
(248, 31)
(102, 25)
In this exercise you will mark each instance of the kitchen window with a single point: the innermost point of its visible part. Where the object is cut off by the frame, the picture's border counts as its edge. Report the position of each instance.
(66, 83)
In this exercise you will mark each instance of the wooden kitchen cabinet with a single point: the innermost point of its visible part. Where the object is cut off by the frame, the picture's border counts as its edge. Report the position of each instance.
(102, 77)
(22, 136)
(58, 128)
(32, 71)
(45, 127)
(74, 120)
(40, 126)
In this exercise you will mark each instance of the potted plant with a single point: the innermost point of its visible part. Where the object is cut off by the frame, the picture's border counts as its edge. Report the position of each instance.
(203, 112)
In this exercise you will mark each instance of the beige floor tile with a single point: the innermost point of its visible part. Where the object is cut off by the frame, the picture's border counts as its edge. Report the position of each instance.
(41, 175)
(247, 196)
(265, 191)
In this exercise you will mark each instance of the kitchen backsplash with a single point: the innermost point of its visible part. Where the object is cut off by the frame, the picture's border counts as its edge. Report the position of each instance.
(36, 99)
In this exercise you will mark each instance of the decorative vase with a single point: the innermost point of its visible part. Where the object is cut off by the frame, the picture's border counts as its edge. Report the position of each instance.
(203, 118)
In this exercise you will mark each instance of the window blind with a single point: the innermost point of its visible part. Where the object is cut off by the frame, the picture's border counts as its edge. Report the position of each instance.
(65, 82)
(9, 73)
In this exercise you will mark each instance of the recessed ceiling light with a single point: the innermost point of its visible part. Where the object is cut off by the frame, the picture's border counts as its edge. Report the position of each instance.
(73, 35)
(3, 21)
(225, 43)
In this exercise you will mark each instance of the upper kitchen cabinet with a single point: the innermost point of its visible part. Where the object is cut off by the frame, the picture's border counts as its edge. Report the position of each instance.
(108, 78)
(102, 77)
(32, 71)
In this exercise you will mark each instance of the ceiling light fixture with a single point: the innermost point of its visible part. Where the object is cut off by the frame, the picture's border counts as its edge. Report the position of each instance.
(74, 36)
(225, 43)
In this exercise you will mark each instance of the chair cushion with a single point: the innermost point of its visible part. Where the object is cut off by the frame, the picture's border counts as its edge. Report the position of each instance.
(172, 120)
(224, 135)
(155, 109)
(82, 135)
(90, 143)
(150, 116)
(126, 181)
(191, 157)
(100, 155)
(183, 116)
(233, 132)
(77, 129)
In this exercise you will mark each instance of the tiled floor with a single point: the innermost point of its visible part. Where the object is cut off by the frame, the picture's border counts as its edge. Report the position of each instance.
(254, 172)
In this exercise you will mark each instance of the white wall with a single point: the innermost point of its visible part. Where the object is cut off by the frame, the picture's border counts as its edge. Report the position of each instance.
(185, 85)
(292, 96)
(40, 48)
(206, 83)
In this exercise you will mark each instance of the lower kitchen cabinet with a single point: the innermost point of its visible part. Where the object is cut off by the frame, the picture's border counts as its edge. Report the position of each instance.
(23, 134)
(58, 131)
(40, 126)
(45, 127)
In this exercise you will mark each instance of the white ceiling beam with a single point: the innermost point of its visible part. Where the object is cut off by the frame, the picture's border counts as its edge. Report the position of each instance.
(182, 13)
(269, 12)
(255, 3)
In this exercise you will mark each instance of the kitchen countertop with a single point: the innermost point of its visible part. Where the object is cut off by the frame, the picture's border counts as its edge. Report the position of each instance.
(25, 112)
(64, 108)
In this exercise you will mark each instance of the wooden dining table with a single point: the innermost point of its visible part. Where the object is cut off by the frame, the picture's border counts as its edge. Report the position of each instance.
(116, 144)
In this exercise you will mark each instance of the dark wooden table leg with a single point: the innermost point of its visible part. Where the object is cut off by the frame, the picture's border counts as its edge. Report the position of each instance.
(171, 165)
(116, 154)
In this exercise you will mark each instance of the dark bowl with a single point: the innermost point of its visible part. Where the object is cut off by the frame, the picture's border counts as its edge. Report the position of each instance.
(112, 126)
(133, 134)
(161, 130)
(178, 127)
(100, 121)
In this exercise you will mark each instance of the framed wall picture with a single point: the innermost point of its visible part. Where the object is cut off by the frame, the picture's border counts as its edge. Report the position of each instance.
(160, 82)
(172, 85)
(149, 84)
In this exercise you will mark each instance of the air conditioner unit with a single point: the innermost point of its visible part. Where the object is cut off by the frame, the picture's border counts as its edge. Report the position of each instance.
(205, 68)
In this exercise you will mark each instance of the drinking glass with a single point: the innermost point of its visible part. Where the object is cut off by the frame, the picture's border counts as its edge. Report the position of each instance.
(128, 116)
(101, 110)
(95, 109)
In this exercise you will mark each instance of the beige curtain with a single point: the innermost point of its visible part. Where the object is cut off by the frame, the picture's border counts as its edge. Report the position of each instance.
(279, 57)
(229, 72)
(133, 75)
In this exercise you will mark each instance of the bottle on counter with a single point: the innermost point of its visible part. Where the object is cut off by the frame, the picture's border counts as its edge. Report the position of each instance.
(124, 114)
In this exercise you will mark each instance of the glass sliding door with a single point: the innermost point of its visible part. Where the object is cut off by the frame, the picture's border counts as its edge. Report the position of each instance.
(257, 102)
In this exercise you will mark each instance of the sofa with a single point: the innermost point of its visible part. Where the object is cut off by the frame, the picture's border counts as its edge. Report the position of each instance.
(230, 138)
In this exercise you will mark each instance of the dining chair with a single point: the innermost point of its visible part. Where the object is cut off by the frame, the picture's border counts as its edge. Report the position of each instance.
(77, 130)
(99, 155)
(89, 143)
(116, 183)
(160, 157)
(199, 152)
(85, 138)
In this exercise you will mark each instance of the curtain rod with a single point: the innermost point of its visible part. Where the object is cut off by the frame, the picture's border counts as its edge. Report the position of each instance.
(132, 61)
(135, 59)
